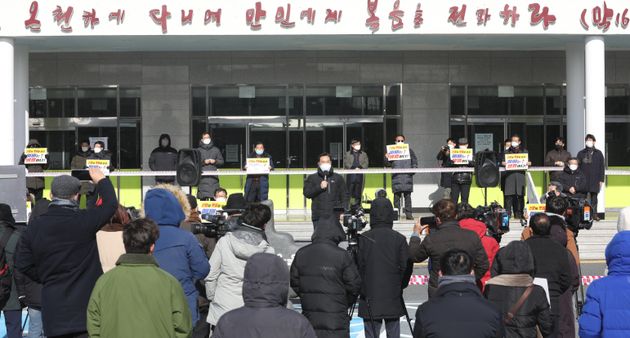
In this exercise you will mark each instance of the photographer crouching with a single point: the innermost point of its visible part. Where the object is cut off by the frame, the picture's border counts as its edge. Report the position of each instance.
(383, 259)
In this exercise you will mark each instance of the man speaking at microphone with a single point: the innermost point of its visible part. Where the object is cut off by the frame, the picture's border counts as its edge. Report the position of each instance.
(326, 189)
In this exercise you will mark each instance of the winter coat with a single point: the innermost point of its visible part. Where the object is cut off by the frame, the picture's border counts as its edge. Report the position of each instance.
(623, 223)
(606, 312)
(164, 158)
(554, 156)
(445, 158)
(176, 251)
(209, 184)
(324, 201)
(383, 259)
(348, 163)
(403, 182)
(512, 274)
(138, 299)
(327, 281)
(78, 162)
(515, 180)
(103, 155)
(448, 236)
(59, 250)
(458, 310)
(224, 283)
(593, 166)
(551, 262)
(34, 182)
(490, 244)
(571, 245)
(110, 239)
(7, 223)
(265, 292)
(573, 179)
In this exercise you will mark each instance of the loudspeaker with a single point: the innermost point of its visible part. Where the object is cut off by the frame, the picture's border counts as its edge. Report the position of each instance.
(188, 167)
(486, 169)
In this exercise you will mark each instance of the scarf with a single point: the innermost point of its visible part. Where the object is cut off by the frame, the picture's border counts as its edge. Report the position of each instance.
(59, 202)
(515, 280)
(447, 280)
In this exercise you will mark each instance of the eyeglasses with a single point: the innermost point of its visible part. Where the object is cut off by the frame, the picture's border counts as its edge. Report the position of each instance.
(400, 140)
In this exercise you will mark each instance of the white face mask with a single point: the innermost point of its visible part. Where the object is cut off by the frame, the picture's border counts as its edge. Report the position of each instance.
(400, 142)
(357, 148)
(325, 167)
(206, 141)
(573, 167)
(85, 149)
(451, 146)
(98, 150)
(221, 199)
(515, 144)
(590, 144)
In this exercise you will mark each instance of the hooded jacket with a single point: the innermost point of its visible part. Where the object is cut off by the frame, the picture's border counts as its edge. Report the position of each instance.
(512, 273)
(164, 158)
(606, 312)
(59, 250)
(383, 259)
(224, 283)
(324, 201)
(265, 291)
(490, 244)
(209, 184)
(176, 251)
(327, 281)
(34, 182)
(7, 223)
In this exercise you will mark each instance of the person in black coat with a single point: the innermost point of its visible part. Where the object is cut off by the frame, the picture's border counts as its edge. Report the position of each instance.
(573, 181)
(265, 314)
(58, 249)
(444, 157)
(461, 181)
(551, 262)
(327, 281)
(402, 184)
(256, 185)
(458, 308)
(447, 236)
(514, 187)
(383, 261)
(12, 310)
(593, 166)
(164, 158)
(35, 185)
(326, 189)
(98, 153)
(512, 273)
(557, 157)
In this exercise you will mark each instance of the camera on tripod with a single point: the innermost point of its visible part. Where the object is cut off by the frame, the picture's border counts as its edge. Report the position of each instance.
(212, 226)
(579, 214)
(496, 219)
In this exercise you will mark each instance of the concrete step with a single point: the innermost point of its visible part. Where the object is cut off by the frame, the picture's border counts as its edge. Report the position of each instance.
(592, 243)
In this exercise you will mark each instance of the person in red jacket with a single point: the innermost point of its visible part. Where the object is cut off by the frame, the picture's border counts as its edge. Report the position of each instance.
(466, 218)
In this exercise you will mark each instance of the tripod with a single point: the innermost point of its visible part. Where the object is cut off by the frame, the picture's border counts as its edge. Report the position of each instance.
(579, 294)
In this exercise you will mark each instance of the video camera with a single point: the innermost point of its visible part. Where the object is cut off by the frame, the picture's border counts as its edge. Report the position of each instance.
(213, 226)
(496, 219)
(354, 220)
(579, 215)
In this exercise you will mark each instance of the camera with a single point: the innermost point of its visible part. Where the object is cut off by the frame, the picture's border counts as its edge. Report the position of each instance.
(355, 220)
(431, 221)
(579, 215)
(212, 226)
(496, 219)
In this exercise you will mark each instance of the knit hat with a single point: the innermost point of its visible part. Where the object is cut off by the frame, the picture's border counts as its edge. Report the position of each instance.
(463, 140)
(65, 186)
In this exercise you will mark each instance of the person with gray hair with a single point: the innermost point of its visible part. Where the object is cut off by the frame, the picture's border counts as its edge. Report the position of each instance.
(59, 250)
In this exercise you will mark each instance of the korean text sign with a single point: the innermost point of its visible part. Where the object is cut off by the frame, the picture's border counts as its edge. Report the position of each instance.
(258, 165)
(398, 152)
(461, 156)
(100, 164)
(516, 161)
(35, 156)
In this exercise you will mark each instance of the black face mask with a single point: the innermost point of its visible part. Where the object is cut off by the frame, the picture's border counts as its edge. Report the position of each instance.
(559, 147)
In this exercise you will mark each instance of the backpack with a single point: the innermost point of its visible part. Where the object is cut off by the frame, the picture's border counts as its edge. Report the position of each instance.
(6, 275)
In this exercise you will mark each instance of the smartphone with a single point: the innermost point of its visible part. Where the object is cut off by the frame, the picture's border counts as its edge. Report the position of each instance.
(82, 174)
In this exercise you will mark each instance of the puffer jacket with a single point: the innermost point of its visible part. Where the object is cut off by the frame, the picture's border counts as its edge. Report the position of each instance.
(489, 244)
(164, 158)
(209, 184)
(512, 274)
(403, 182)
(606, 312)
(327, 281)
(176, 251)
(383, 259)
(224, 283)
(265, 292)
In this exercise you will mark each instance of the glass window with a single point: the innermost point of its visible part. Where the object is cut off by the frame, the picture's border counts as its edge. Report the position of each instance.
(231, 140)
(130, 141)
(617, 101)
(60, 102)
(618, 144)
(97, 102)
(296, 100)
(130, 102)
(269, 101)
(486, 101)
(225, 101)
(392, 100)
(198, 127)
(198, 101)
(458, 99)
(555, 101)
(533, 98)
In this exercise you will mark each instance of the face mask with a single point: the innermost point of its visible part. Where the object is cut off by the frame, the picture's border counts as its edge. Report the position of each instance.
(97, 150)
(325, 167)
(221, 199)
(451, 146)
(400, 142)
(573, 167)
(206, 141)
(259, 151)
(590, 144)
(357, 148)
(164, 143)
(515, 144)
(85, 149)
